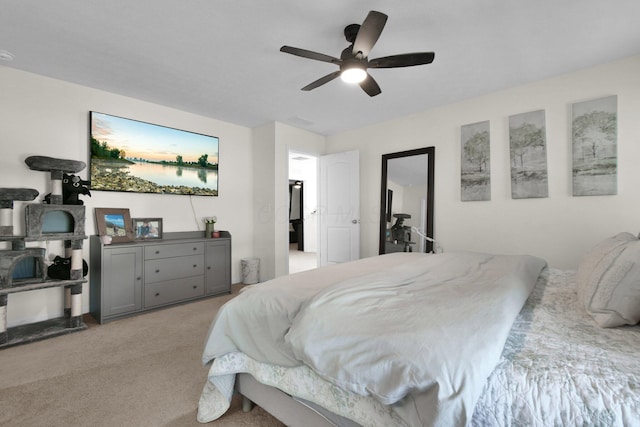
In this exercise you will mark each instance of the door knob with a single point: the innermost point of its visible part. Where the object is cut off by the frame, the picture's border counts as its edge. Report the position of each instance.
(355, 221)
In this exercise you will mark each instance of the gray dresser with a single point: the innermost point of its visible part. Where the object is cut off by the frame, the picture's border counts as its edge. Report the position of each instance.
(130, 278)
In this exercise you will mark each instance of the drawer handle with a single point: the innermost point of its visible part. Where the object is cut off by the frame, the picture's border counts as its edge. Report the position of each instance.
(195, 265)
(157, 252)
(195, 286)
(195, 249)
(138, 278)
(157, 271)
(209, 268)
(157, 294)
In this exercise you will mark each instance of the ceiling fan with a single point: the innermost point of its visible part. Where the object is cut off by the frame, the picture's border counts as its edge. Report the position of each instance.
(354, 61)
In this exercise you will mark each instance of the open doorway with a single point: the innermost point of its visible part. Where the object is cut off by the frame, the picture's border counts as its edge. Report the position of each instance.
(303, 203)
(296, 207)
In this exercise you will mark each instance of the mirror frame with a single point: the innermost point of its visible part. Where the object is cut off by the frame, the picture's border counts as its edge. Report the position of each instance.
(430, 152)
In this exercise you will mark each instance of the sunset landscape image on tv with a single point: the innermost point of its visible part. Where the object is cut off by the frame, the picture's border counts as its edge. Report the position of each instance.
(134, 156)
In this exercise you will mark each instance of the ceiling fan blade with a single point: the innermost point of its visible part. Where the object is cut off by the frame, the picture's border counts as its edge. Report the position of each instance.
(369, 33)
(310, 54)
(370, 86)
(322, 80)
(403, 60)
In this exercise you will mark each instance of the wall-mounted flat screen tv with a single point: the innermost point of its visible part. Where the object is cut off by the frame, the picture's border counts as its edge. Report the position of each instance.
(138, 157)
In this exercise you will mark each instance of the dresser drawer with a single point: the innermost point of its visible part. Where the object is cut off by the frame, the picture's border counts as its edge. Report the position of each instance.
(171, 291)
(173, 250)
(159, 270)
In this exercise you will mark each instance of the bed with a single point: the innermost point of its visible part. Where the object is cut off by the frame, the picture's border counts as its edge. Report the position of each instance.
(410, 339)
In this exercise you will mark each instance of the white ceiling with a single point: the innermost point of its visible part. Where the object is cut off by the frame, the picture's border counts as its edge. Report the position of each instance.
(221, 58)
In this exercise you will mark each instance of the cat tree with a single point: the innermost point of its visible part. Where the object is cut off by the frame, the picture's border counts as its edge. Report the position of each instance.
(24, 269)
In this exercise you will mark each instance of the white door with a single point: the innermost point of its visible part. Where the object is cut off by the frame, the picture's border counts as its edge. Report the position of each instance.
(339, 207)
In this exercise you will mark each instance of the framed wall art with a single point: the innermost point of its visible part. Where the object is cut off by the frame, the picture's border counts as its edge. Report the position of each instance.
(528, 152)
(475, 174)
(594, 132)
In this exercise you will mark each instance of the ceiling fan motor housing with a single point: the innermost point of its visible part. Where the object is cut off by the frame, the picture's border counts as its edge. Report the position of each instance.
(351, 31)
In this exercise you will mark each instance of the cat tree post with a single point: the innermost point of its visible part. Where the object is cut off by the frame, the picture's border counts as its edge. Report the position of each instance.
(75, 318)
(56, 187)
(7, 197)
(6, 217)
(73, 250)
(4, 336)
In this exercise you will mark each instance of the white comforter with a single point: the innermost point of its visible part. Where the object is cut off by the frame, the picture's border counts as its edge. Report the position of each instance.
(421, 332)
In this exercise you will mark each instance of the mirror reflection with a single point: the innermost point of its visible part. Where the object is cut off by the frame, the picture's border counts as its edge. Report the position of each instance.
(406, 203)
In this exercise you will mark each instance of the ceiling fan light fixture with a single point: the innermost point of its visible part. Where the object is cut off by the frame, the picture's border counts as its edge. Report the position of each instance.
(353, 75)
(353, 60)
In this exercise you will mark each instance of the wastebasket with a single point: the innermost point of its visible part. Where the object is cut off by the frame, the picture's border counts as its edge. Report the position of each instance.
(250, 270)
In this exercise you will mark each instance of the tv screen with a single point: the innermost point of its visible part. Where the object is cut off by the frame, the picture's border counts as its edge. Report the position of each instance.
(138, 157)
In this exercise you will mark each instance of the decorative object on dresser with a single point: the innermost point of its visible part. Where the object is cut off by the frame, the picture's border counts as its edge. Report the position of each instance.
(147, 228)
(210, 226)
(115, 223)
(24, 269)
(131, 278)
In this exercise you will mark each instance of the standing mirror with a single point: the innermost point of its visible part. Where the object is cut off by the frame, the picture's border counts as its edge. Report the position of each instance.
(406, 201)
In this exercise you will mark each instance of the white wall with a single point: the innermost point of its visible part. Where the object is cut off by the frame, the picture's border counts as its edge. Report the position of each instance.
(289, 138)
(560, 228)
(47, 117)
(264, 188)
(272, 144)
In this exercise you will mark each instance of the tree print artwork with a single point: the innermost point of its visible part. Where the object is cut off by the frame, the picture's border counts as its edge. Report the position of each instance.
(528, 149)
(594, 133)
(475, 174)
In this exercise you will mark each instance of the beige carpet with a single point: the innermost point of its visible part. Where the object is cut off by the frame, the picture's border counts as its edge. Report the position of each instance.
(301, 261)
(140, 371)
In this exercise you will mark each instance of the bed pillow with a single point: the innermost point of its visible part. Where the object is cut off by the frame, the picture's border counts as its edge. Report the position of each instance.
(608, 281)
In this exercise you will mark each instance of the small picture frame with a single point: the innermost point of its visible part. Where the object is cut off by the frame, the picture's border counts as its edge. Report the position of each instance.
(147, 228)
(115, 223)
